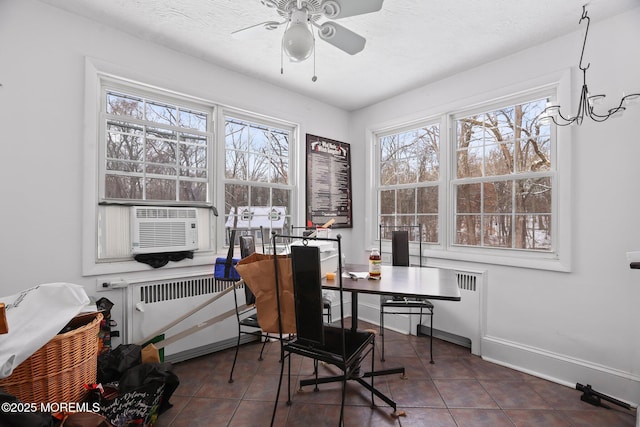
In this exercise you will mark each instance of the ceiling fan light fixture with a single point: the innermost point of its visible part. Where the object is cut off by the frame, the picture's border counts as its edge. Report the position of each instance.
(272, 25)
(331, 9)
(298, 42)
(327, 31)
(300, 18)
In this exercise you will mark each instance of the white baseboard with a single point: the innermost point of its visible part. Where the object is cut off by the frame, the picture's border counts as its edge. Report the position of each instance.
(562, 369)
(555, 367)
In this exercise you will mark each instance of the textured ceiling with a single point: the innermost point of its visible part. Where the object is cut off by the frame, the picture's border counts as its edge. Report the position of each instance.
(409, 42)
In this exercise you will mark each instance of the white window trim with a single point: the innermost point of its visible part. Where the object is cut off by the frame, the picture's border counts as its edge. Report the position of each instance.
(95, 71)
(376, 136)
(294, 130)
(560, 258)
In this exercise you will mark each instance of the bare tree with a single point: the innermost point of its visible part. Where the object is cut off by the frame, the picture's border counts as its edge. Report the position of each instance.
(256, 158)
(510, 204)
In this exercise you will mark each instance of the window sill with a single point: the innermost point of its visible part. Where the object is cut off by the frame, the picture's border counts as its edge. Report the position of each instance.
(537, 261)
(200, 261)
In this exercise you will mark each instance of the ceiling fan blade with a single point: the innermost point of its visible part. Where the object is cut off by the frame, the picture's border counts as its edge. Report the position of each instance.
(255, 30)
(336, 9)
(341, 37)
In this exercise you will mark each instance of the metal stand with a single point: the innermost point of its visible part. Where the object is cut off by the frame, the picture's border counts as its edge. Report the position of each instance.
(592, 397)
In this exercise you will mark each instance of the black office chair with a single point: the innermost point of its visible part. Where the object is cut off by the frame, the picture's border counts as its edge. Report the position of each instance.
(392, 304)
(246, 313)
(342, 347)
(326, 302)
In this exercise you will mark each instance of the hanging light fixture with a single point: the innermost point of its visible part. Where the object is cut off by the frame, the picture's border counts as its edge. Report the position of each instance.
(300, 18)
(587, 100)
(298, 41)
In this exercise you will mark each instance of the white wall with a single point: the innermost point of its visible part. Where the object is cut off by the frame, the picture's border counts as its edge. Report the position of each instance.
(582, 326)
(42, 118)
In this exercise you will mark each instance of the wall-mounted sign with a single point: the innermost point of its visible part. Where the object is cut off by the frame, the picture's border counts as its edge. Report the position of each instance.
(328, 182)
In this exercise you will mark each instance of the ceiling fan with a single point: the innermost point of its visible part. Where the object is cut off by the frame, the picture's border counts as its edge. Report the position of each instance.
(300, 18)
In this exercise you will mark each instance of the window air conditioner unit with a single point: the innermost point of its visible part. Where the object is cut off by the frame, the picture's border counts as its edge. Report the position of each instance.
(163, 229)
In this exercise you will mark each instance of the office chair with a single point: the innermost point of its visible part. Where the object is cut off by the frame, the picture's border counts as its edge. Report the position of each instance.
(393, 304)
(246, 313)
(341, 347)
(326, 302)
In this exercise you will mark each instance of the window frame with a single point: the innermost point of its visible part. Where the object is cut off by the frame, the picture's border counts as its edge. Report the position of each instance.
(293, 167)
(454, 182)
(111, 83)
(557, 86)
(413, 125)
(96, 73)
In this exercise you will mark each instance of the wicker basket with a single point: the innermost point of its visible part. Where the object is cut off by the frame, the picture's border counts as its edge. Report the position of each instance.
(58, 371)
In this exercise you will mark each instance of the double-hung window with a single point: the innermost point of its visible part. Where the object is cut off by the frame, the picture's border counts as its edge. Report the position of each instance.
(156, 150)
(504, 178)
(409, 165)
(483, 188)
(160, 148)
(257, 183)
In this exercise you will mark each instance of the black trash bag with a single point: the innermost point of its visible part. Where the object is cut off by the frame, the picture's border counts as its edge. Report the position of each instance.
(151, 373)
(140, 396)
(114, 363)
(15, 415)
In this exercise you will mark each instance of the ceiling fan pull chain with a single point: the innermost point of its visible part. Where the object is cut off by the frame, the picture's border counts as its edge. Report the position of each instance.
(300, 16)
(282, 52)
(314, 78)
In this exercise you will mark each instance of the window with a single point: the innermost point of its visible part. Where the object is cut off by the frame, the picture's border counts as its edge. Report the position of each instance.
(155, 151)
(489, 190)
(155, 148)
(159, 147)
(503, 181)
(258, 189)
(409, 164)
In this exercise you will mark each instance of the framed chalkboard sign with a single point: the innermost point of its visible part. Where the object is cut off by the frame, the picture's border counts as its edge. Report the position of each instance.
(328, 182)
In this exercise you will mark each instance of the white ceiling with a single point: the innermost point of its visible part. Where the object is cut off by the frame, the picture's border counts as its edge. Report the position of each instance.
(409, 42)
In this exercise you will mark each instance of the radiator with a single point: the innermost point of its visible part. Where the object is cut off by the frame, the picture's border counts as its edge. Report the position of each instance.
(151, 305)
(461, 321)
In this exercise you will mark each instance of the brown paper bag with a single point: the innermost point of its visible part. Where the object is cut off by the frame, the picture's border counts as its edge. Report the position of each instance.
(150, 354)
(258, 272)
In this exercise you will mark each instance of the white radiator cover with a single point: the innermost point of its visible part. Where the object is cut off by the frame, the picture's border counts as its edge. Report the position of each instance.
(153, 304)
(454, 320)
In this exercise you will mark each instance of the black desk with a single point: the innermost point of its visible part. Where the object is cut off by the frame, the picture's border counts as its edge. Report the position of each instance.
(417, 282)
(420, 282)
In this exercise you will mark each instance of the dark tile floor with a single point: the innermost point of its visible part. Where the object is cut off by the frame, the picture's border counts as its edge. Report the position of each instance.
(458, 390)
